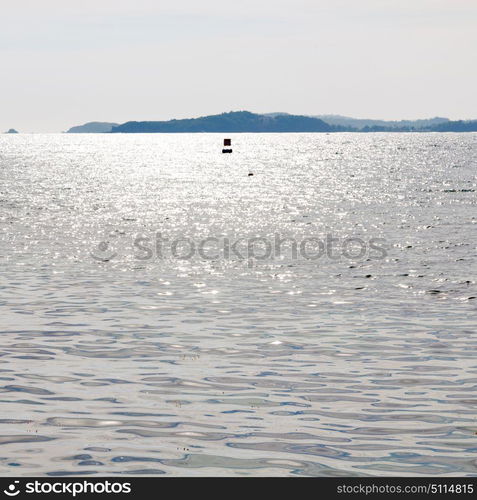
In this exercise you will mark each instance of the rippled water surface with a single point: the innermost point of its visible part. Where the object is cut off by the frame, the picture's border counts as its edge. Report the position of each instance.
(116, 358)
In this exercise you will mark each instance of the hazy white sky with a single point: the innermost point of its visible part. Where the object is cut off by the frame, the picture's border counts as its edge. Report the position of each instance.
(65, 63)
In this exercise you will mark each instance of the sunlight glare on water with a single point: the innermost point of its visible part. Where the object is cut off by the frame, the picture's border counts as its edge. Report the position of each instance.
(112, 363)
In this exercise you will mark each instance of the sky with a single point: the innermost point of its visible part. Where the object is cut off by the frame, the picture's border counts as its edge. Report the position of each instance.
(66, 63)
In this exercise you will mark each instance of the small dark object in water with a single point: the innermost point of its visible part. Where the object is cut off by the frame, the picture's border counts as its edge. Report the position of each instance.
(250, 174)
(227, 142)
(226, 150)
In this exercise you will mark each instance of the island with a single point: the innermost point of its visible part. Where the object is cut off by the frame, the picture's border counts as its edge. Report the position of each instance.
(246, 121)
(11, 131)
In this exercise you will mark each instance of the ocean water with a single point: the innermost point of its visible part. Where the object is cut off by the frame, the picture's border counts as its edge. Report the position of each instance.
(151, 323)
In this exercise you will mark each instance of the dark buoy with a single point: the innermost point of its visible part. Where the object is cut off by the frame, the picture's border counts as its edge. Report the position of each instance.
(250, 174)
(227, 142)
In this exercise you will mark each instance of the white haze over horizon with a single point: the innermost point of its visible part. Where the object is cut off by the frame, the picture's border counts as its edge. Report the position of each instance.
(105, 60)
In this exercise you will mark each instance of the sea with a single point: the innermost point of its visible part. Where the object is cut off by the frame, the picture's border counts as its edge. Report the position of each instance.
(304, 306)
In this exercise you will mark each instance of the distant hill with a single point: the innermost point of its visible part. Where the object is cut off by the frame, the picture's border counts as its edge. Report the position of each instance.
(364, 123)
(456, 126)
(370, 125)
(237, 121)
(92, 128)
(11, 131)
